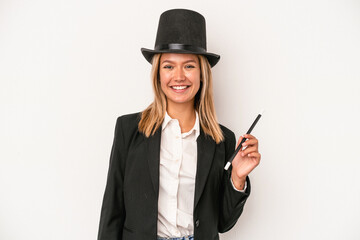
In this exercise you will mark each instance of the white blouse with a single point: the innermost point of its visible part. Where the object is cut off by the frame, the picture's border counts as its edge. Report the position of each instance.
(178, 161)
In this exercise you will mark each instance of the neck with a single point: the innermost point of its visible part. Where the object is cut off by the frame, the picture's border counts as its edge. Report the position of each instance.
(184, 113)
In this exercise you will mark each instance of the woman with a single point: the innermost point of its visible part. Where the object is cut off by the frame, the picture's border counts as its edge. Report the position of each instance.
(166, 178)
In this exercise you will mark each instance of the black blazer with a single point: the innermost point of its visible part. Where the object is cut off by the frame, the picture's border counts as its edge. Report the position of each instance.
(130, 204)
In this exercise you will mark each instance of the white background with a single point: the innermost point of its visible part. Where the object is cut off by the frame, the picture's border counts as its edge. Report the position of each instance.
(68, 68)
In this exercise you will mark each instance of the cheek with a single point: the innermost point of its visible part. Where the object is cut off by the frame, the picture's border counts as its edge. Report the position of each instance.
(163, 87)
(196, 82)
(162, 82)
(164, 79)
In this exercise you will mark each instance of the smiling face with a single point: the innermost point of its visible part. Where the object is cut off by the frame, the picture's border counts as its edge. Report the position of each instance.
(179, 78)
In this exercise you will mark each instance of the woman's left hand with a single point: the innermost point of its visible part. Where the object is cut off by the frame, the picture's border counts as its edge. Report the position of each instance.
(245, 161)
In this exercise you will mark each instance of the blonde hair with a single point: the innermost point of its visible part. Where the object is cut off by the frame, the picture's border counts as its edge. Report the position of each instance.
(153, 116)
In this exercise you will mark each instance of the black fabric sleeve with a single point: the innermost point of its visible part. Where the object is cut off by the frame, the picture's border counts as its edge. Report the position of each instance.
(113, 211)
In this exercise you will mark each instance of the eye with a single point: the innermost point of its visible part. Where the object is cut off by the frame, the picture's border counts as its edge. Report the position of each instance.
(189, 66)
(168, 67)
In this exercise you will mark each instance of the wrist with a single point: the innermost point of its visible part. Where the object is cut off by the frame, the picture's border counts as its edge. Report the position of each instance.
(239, 182)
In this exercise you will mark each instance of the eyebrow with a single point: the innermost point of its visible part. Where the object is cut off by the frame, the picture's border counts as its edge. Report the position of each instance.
(169, 61)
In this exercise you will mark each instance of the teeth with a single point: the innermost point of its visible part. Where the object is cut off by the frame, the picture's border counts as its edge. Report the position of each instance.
(179, 87)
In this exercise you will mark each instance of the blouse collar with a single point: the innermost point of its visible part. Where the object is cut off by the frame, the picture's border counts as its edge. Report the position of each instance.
(195, 128)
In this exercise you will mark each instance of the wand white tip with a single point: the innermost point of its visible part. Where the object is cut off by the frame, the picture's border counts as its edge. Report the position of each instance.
(227, 166)
(262, 111)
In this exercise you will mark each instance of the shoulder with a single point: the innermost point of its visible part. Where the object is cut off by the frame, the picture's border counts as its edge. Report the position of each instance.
(128, 123)
(228, 134)
(229, 141)
(132, 118)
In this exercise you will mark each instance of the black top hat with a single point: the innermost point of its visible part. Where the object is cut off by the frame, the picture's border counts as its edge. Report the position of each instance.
(181, 31)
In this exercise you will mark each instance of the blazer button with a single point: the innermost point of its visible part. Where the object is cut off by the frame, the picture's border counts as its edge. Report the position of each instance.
(197, 223)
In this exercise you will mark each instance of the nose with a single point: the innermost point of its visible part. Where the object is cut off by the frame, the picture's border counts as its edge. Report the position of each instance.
(179, 74)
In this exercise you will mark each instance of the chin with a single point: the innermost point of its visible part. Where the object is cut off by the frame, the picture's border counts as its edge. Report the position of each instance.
(181, 101)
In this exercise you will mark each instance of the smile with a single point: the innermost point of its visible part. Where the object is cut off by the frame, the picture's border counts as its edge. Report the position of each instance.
(179, 87)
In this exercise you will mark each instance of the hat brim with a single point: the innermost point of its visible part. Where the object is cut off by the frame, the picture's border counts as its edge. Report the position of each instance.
(211, 57)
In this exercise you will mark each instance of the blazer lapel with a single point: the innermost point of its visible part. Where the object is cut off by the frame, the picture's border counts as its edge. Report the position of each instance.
(154, 158)
(205, 156)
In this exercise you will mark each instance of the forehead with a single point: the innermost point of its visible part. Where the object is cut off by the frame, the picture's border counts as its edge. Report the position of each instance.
(178, 57)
